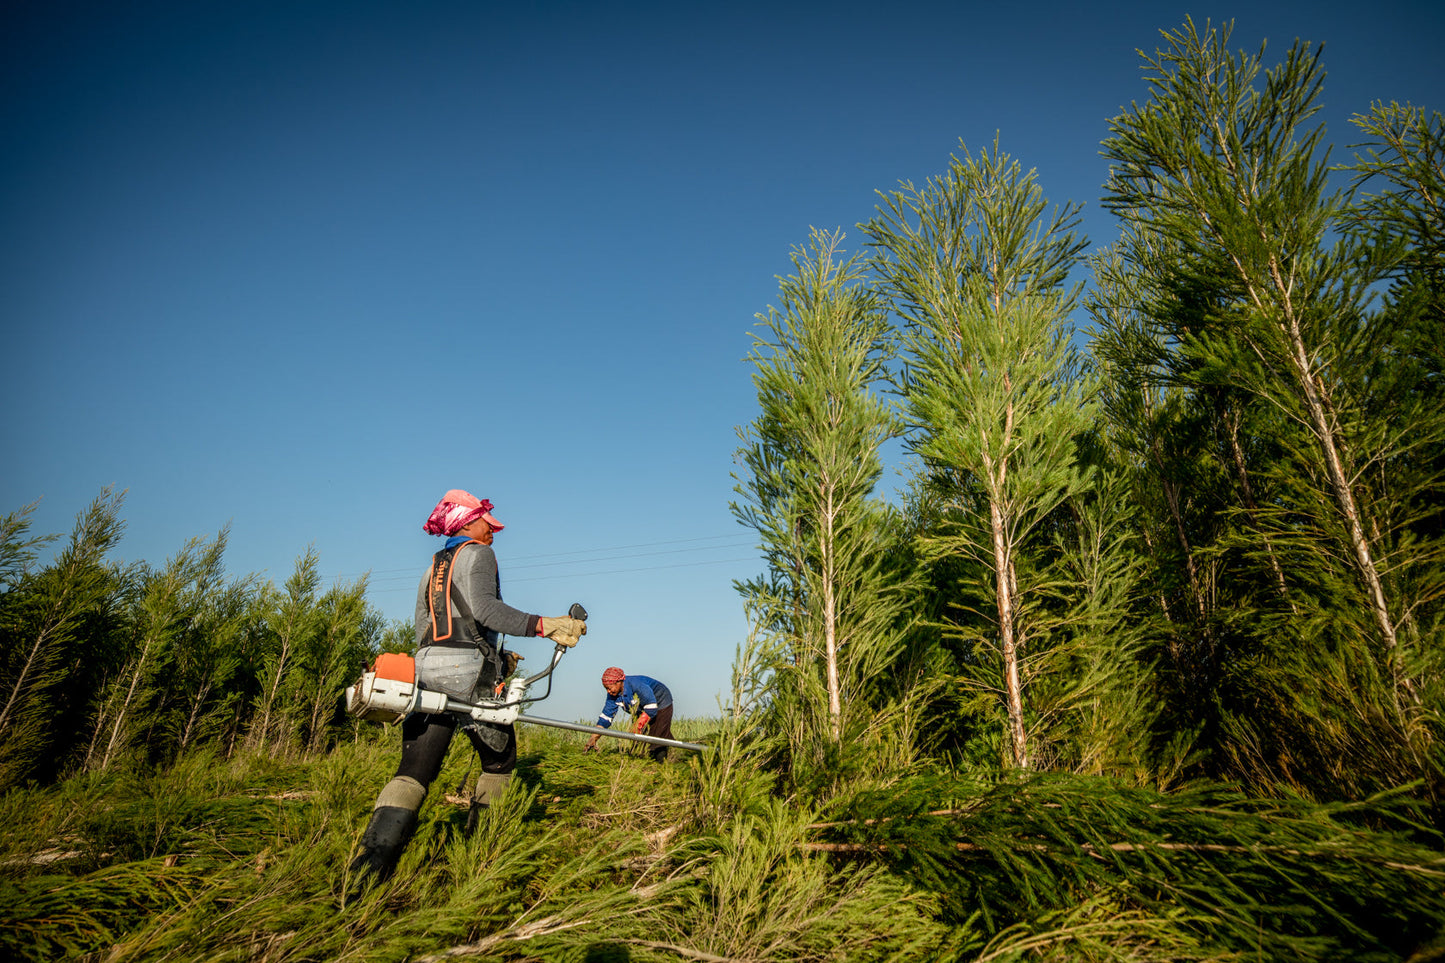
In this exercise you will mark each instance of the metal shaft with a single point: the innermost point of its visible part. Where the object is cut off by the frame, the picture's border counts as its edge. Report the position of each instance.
(599, 731)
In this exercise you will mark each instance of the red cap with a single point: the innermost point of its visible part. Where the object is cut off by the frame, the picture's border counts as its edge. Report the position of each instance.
(612, 675)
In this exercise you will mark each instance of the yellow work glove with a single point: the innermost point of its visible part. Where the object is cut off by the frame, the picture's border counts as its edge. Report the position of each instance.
(563, 629)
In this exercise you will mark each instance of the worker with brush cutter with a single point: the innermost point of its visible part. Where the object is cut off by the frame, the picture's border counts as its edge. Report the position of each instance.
(653, 701)
(459, 617)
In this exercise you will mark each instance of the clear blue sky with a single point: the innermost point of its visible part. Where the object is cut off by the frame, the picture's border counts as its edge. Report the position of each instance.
(298, 268)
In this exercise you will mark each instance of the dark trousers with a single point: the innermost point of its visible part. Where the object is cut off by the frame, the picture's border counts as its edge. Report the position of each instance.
(661, 727)
(424, 742)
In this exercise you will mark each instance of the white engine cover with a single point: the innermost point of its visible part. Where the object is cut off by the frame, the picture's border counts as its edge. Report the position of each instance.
(392, 700)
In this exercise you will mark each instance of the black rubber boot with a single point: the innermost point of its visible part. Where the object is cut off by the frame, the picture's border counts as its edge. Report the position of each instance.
(381, 845)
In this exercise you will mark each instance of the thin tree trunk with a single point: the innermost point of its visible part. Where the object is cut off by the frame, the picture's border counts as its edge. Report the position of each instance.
(798, 650)
(1149, 546)
(830, 619)
(41, 639)
(1316, 400)
(122, 712)
(198, 699)
(1236, 452)
(1004, 585)
(1344, 494)
(263, 726)
(1013, 687)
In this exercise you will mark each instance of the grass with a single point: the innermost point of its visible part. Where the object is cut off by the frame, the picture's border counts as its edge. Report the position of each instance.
(589, 856)
(609, 856)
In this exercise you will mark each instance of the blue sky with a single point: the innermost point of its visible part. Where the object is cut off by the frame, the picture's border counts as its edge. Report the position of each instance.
(298, 268)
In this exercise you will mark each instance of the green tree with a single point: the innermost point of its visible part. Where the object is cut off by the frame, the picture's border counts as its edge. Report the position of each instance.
(47, 619)
(835, 591)
(333, 655)
(1265, 306)
(1197, 498)
(208, 665)
(292, 622)
(169, 602)
(979, 275)
(1404, 160)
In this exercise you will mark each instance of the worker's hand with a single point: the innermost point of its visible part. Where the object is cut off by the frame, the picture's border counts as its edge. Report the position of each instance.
(512, 658)
(642, 722)
(562, 629)
(591, 745)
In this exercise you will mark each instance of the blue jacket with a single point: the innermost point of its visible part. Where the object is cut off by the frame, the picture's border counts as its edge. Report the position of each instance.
(653, 695)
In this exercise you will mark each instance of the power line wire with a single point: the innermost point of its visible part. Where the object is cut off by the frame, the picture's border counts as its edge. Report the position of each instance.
(616, 571)
(558, 558)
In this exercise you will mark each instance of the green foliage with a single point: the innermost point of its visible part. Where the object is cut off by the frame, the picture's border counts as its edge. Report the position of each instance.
(53, 620)
(606, 853)
(1282, 433)
(291, 623)
(978, 272)
(168, 603)
(584, 852)
(1226, 873)
(839, 582)
(106, 667)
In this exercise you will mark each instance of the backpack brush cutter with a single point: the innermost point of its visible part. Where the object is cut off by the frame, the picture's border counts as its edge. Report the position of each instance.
(388, 692)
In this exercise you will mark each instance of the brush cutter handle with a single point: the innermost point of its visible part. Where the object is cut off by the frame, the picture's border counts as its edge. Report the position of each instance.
(576, 612)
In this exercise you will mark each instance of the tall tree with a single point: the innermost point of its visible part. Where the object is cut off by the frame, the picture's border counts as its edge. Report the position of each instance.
(332, 656)
(169, 602)
(208, 664)
(292, 622)
(1265, 305)
(835, 591)
(43, 627)
(979, 273)
(1220, 167)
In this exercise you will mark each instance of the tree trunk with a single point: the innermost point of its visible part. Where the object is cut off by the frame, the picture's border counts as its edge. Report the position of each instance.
(1013, 686)
(1344, 494)
(262, 729)
(122, 712)
(33, 656)
(198, 699)
(1171, 498)
(830, 619)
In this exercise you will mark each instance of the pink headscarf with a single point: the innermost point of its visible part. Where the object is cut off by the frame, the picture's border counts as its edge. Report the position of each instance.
(456, 511)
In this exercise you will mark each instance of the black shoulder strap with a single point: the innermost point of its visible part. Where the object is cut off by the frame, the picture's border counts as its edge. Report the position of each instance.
(439, 594)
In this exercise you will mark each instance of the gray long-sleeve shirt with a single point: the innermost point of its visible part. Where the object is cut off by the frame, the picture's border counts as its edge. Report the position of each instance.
(474, 576)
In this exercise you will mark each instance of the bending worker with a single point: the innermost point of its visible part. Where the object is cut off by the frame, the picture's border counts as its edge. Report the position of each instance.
(653, 701)
(459, 616)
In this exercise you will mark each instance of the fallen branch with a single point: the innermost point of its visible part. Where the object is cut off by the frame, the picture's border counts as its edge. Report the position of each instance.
(542, 927)
(683, 951)
(1093, 850)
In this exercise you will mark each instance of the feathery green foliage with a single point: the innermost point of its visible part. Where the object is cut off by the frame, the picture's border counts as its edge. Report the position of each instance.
(1281, 877)
(1237, 293)
(168, 602)
(51, 618)
(978, 273)
(838, 583)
